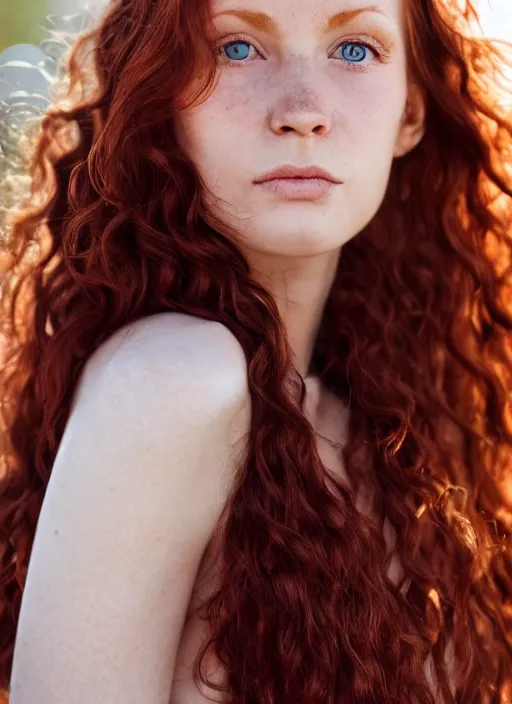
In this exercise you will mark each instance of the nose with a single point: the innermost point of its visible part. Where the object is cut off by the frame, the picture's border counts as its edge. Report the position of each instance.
(306, 123)
(303, 111)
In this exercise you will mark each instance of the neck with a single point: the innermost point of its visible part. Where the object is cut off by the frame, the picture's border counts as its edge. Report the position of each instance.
(300, 288)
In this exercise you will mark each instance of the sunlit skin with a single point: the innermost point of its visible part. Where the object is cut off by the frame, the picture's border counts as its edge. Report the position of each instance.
(322, 84)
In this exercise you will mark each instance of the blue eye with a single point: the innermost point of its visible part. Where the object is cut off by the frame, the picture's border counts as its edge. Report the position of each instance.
(355, 52)
(236, 50)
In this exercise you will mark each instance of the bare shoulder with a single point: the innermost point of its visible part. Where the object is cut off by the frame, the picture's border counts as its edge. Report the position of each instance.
(168, 372)
(173, 349)
(140, 480)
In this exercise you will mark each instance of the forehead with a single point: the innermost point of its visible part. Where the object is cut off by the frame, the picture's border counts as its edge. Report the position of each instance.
(321, 15)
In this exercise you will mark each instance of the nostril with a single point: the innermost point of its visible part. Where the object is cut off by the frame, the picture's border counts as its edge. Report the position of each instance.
(315, 130)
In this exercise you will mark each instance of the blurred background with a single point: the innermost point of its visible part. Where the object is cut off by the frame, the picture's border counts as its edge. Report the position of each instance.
(23, 22)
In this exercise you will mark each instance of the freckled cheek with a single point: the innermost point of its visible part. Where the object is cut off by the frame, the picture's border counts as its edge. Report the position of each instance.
(243, 105)
(370, 115)
(223, 138)
(228, 112)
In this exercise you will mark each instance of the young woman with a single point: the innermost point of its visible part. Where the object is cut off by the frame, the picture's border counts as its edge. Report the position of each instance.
(255, 392)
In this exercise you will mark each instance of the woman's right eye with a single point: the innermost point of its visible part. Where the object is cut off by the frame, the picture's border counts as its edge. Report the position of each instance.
(236, 51)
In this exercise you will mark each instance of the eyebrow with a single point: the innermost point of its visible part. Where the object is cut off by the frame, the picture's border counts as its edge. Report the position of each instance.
(264, 23)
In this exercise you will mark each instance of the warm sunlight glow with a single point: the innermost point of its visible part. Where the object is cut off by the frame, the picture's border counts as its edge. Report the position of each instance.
(496, 18)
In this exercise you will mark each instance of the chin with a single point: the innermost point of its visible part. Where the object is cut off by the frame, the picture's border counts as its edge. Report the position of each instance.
(298, 234)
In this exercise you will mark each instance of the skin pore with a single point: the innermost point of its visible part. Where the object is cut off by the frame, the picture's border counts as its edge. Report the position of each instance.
(321, 83)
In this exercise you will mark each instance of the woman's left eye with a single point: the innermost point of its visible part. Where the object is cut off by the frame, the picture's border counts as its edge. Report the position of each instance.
(357, 52)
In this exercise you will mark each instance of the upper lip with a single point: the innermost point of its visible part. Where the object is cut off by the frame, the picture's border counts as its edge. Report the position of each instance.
(293, 171)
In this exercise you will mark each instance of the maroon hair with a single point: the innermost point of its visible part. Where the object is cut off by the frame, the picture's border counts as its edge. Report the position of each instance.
(414, 339)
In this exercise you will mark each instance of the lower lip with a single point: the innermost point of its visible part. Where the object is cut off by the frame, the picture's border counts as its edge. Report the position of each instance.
(298, 188)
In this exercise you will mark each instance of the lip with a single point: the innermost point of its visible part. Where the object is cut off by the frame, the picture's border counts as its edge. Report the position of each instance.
(291, 182)
(291, 171)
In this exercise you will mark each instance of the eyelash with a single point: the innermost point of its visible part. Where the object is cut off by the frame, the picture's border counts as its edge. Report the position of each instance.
(380, 54)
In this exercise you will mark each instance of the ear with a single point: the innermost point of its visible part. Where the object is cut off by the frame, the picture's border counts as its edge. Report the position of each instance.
(412, 126)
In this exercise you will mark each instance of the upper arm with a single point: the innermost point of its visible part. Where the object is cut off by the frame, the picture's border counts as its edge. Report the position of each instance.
(140, 479)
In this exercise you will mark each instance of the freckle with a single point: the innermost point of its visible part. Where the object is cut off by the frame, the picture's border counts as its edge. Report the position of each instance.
(301, 100)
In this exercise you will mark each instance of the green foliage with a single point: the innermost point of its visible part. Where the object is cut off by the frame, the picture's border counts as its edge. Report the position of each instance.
(22, 22)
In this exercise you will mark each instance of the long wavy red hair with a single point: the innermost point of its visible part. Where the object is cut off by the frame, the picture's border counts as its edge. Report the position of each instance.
(415, 339)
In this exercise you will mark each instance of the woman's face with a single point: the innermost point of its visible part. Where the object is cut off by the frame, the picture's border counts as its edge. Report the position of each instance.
(307, 83)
